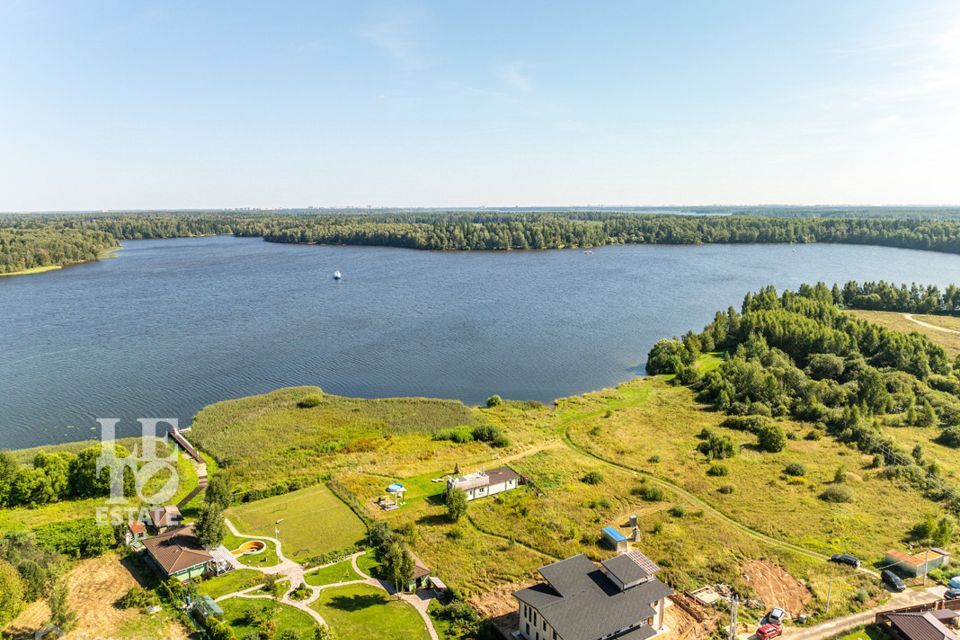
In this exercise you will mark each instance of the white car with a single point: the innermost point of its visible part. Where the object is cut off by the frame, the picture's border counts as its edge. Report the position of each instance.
(775, 616)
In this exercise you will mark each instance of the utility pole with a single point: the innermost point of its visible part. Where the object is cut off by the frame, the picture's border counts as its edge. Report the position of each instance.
(734, 603)
(926, 567)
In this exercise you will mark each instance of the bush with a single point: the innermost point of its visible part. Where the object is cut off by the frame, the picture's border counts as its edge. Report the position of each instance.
(716, 447)
(750, 424)
(138, 598)
(308, 402)
(795, 469)
(813, 435)
(654, 459)
(677, 511)
(772, 439)
(950, 437)
(726, 489)
(837, 494)
(494, 401)
(81, 538)
(650, 493)
(718, 471)
(489, 434)
(460, 435)
(592, 477)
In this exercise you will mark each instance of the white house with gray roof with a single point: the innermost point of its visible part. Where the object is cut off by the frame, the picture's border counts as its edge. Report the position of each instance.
(622, 599)
(486, 483)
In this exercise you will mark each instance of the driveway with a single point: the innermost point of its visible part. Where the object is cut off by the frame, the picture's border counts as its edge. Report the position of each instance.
(834, 627)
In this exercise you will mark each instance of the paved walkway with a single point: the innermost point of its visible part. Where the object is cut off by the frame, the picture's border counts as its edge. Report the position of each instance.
(834, 627)
(288, 570)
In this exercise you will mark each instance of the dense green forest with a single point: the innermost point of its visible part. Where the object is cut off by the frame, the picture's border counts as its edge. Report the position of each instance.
(799, 355)
(28, 241)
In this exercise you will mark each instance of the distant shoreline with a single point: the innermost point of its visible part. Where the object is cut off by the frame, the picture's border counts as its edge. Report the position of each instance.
(103, 255)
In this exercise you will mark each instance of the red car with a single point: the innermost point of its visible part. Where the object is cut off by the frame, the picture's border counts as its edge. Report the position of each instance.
(768, 631)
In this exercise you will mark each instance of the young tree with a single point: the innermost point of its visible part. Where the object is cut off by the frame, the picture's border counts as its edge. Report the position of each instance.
(917, 454)
(8, 471)
(943, 533)
(209, 527)
(11, 593)
(60, 613)
(56, 467)
(218, 491)
(397, 565)
(456, 501)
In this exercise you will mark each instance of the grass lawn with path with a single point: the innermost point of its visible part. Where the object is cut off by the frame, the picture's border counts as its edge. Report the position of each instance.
(313, 521)
(235, 611)
(359, 612)
(339, 572)
(229, 583)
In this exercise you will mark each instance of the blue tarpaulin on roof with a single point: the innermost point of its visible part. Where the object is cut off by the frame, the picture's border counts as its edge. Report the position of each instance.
(613, 534)
(395, 488)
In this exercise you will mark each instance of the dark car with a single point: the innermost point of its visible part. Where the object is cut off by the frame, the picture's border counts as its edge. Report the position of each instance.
(951, 594)
(893, 581)
(846, 558)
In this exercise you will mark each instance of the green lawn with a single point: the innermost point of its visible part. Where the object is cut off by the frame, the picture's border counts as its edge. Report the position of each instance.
(870, 632)
(360, 612)
(229, 583)
(287, 617)
(339, 572)
(313, 521)
(367, 563)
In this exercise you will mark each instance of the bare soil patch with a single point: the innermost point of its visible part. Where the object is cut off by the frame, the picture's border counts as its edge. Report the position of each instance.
(776, 587)
(94, 586)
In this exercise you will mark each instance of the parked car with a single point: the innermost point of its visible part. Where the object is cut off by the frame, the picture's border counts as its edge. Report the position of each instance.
(846, 558)
(769, 631)
(775, 616)
(954, 582)
(892, 580)
(951, 594)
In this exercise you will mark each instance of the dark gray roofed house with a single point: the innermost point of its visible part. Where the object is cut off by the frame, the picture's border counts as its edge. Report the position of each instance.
(620, 600)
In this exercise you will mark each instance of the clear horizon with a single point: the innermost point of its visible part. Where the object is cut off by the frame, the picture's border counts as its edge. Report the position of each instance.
(425, 105)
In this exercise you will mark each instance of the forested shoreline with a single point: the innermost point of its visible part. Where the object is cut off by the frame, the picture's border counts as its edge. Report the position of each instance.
(798, 355)
(33, 241)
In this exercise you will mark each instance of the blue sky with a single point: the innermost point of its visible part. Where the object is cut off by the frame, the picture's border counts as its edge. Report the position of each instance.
(112, 105)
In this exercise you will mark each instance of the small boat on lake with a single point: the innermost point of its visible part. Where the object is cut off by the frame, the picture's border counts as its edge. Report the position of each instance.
(337, 275)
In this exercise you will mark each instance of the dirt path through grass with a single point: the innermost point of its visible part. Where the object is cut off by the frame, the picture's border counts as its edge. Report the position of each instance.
(667, 484)
(909, 316)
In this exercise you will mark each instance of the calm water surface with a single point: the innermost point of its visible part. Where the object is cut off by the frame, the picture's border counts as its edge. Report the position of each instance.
(172, 325)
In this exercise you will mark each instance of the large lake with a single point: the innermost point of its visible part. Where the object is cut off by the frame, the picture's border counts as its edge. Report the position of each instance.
(170, 326)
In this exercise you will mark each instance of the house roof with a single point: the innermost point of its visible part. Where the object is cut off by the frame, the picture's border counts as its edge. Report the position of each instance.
(630, 567)
(419, 568)
(581, 603)
(168, 516)
(916, 559)
(137, 527)
(920, 626)
(484, 478)
(177, 550)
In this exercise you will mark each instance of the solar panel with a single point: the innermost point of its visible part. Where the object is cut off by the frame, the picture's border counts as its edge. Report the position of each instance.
(645, 563)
